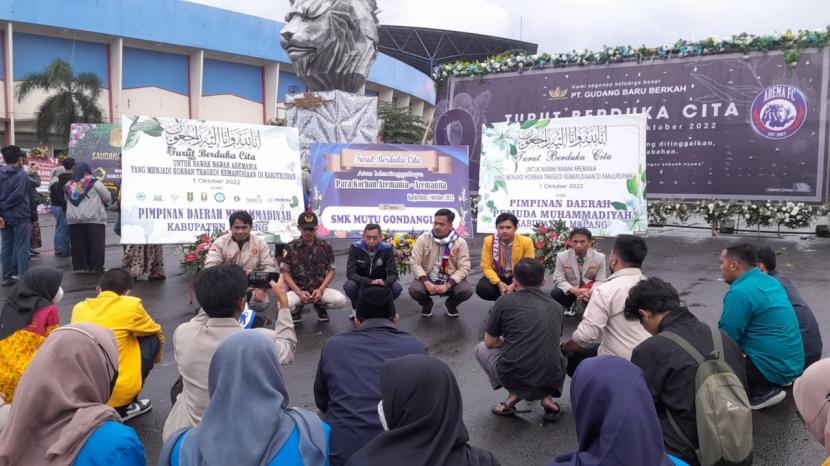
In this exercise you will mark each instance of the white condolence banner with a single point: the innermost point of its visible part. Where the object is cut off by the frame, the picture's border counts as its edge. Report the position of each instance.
(586, 171)
(182, 178)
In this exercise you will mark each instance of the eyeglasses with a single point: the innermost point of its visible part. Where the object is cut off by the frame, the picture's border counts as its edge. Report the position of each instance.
(110, 365)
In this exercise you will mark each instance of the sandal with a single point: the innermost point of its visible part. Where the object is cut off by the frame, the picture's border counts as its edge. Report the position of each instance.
(508, 410)
(552, 415)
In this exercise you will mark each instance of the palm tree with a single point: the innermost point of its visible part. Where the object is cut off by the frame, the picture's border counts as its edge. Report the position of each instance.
(72, 99)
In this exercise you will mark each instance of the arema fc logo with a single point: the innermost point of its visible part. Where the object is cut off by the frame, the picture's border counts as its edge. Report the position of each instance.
(779, 111)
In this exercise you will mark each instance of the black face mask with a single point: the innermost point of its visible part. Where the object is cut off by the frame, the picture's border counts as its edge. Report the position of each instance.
(111, 370)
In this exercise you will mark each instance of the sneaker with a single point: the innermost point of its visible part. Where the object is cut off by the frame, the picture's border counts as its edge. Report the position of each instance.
(771, 398)
(426, 309)
(322, 314)
(452, 311)
(570, 312)
(297, 315)
(136, 408)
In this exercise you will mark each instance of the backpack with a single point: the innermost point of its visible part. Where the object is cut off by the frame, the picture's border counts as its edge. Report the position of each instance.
(722, 411)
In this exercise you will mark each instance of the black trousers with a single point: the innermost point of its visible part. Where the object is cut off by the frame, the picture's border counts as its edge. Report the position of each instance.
(565, 299)
(488, 291)
(87, 241)
(756, 383)
(150, 347)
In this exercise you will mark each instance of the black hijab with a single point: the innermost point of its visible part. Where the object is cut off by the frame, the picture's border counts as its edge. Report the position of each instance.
(422, 407)
(35, 290)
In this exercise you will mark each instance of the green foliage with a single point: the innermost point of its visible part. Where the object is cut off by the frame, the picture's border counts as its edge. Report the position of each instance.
(399, 127)
(72, 99)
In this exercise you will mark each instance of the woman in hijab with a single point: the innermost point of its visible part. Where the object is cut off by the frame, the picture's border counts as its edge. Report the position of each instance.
(59, 416)
(27, 317)
(812, 399)
(421, 411)
(86, 214)
(616, 423)
(247, 422)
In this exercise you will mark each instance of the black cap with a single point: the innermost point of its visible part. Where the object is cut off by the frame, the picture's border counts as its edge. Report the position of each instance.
(307, 220)
(375, 302)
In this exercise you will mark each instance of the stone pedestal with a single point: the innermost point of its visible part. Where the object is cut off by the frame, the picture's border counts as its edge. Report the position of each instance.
(342, 117)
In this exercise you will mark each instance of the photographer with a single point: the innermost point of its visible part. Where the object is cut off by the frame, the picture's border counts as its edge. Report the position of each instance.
(252, 253)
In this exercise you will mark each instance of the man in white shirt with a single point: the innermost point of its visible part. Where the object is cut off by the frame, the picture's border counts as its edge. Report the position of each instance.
(578, 270)
(221, 291)
(604, 322)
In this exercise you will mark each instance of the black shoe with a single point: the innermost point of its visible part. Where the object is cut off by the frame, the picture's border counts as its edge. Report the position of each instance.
(322, 314)
(452, 311)
(297, 315)
(32, 252)
(764, 400)
(426, 309)
(7, 283)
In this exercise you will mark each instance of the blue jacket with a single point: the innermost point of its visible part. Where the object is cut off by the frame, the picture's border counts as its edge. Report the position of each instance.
(807, 324)
(347, 385)
(759, 317)
(112, 443)
(14, 195)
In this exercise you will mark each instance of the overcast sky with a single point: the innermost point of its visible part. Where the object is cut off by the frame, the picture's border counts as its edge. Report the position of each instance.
(559, 26)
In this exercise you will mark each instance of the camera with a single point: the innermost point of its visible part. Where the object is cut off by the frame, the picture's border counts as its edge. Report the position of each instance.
(262, 280)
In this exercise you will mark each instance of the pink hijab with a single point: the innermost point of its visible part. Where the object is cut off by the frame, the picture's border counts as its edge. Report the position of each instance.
(812, 398)
(61, 398)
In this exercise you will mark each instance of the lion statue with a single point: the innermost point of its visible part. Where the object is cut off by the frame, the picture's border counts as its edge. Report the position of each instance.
(332, 43)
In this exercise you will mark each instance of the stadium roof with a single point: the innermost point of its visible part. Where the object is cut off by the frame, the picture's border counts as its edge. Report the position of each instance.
(425, 48)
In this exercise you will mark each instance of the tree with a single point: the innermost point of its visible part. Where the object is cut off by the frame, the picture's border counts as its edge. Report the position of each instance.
(399, 127)
(72, 99)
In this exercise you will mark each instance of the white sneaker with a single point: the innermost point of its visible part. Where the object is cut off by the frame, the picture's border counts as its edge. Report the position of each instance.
(136, 408)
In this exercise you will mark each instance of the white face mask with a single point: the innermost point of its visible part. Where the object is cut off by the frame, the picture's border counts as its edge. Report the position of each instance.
(382, 417)
(58, 296)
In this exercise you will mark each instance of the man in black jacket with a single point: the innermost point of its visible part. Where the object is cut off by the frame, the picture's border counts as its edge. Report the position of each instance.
(807, 324)
(669, 370)
(371, 262)
(58, 200)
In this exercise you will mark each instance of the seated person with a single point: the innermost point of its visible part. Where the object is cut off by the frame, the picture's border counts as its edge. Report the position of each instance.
(139, 338)
(421, 411)
(220, 290)
(60, 416)
(371, 262)
(810, 392)
(499, 254)
(440, 264)
(615, 419)
(308, 269)
(604, 321)
(520, 351)
(244, 378)
(807, 324)
(578, 269)
(759, 317)
(28, 316)
(251, 252)
(670, 371)
(346, 387)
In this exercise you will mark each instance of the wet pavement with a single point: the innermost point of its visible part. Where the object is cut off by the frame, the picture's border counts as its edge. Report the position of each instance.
(686, 258)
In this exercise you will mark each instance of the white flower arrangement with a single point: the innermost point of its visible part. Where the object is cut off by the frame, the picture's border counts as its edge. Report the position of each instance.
(760, 214)
(794, 215)
(715, 211)
(657, 212)
(678, 210)
(789, 41)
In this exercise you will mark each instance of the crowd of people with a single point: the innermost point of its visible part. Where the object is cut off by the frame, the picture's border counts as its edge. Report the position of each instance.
(651, 384)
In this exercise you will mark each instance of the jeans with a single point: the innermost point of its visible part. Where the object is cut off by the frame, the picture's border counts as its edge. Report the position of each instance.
(15, 255)
(61, 231)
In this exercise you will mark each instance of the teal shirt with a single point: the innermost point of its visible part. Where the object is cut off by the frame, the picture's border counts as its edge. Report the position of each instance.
(758, 315)
(112, 443)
